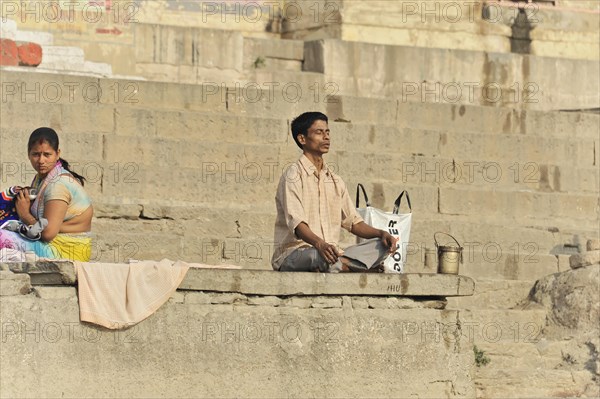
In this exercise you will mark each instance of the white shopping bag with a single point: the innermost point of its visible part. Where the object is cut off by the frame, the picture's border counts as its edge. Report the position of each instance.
(397, 224)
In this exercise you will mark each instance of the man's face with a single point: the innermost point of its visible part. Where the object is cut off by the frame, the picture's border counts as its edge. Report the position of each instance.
(317, 140)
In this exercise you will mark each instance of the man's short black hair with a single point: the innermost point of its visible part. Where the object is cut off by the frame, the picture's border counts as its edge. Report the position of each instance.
(302, 123)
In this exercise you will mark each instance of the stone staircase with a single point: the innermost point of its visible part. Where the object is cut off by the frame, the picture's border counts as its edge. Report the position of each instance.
(213, 149)
(521, 359)
(185, 165)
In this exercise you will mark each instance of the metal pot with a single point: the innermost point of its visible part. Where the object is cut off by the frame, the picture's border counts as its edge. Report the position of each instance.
(448, 256)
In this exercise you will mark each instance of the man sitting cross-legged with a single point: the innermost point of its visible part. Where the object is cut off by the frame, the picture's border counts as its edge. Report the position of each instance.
(312, 204)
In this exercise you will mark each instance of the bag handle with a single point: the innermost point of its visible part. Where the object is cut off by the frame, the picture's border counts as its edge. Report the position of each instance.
(399, 200)
(364, 193)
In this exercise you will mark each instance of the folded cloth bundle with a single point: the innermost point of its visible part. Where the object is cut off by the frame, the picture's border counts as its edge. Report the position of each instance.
(33, 232)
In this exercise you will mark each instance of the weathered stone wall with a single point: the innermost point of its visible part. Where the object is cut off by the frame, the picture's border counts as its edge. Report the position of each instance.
(222, 343)
(190, 172)
(569, 30)
(186, 168)
(416, 74)
(112, 31)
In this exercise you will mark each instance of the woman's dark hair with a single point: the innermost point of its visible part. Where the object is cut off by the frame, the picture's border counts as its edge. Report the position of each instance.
(46, 134)
(301, 124)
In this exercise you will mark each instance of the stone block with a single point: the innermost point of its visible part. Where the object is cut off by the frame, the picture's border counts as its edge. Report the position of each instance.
(263, 282)
(585, 259)
(158, 72)
(593, 245)
(361, 110)
(8, 29)
(506, 148)
(570, 308)
(491, 326)
(360, 303)
(494, 294)
(97, 68)
(9, 54)
(369, 138)
(298, 302)
(222, 128)
(492, 261)
(56, 293)
(38, 37)
(227, 298)
(326, 303)
(197, 298)
(173, 45)
(467, 118)
(264, 301)
(338, 61)
(347, 303)
(163, 96)
(14, 284)
(177, 297)
(274, 64)
(281, 49)
(520, 206)
(30, 54)
(231, 339)
(117, 211)
(63, 58)
(378, 303)
(541, 383)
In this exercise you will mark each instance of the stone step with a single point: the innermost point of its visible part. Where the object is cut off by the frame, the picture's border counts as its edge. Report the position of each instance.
(496, 262)
(269, 54)
(451, 25)
(492, 120)
(99, 68)
(568, 211)
(524, 207)
(494, 294)
(542, 354)
(212, 98)
(483, 238)
(246, 238)
(492, 326)
(501, 79)
(572, 168)
(228, 176)
(518, 174)
(530, 383)
(62, 58)
(42, 38)
(204, 232)
(8, 29)
(433, 121)
(457, 172)
(175, 142)
(513, 240)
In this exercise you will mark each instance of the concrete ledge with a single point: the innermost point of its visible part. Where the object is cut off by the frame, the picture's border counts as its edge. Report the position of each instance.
(266, 282)
(44, 273)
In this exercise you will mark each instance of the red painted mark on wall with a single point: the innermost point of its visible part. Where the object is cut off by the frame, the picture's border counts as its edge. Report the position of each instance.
(102, 3)
(113, 31)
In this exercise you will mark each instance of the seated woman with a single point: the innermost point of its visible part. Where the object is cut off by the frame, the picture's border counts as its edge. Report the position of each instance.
(61, 199)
